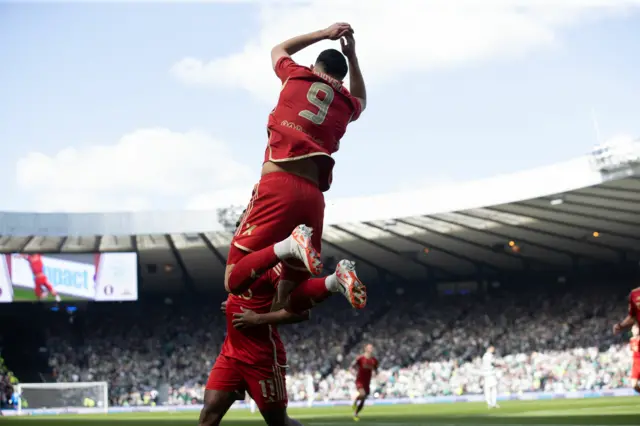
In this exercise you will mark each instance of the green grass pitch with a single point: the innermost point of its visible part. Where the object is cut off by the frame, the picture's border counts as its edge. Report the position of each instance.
(21, 294)
(578, 412)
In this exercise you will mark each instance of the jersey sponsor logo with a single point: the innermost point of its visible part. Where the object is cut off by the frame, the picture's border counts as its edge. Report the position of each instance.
(299, 128)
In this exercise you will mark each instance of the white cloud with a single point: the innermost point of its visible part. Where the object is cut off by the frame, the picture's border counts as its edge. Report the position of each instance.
(144, 166)
(238, 195)
(396, 36)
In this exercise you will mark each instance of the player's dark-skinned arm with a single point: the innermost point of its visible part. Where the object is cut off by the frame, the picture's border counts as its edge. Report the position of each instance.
(249, 318)
(624, 324)
(292, 46)
(356, 81)
(629, 320)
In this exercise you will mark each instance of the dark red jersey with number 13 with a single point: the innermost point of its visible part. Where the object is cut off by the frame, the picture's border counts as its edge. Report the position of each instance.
(310, 118)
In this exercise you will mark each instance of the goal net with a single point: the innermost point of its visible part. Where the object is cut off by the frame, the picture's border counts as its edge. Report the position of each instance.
(71, 395)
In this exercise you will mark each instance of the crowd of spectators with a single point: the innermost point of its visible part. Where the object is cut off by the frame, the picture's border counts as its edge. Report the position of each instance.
(545, 342)
(7, 383)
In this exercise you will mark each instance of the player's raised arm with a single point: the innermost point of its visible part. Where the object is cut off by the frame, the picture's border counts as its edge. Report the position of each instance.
(357, 86)
(296, 44)
(248, 318)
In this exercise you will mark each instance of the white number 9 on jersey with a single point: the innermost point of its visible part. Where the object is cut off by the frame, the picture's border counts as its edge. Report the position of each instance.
(322, 104)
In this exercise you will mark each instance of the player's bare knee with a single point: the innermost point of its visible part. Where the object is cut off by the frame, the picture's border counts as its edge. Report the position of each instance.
(214, 408)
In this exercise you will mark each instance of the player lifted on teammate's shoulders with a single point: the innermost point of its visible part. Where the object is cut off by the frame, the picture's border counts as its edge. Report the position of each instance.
(364, 367)
(284, 219)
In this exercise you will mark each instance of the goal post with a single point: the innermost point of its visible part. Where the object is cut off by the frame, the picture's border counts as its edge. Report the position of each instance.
(64, 395)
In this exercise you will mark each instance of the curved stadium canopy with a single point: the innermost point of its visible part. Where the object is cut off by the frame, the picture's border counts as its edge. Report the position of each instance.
(585, 210)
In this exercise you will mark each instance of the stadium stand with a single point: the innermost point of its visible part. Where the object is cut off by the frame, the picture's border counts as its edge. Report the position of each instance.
(537, 264)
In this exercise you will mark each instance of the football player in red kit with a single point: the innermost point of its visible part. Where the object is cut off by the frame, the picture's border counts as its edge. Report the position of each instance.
(253, 357)
(633, 317)
(634, 344)
(365, 366)
(42, 284)
(284, 219)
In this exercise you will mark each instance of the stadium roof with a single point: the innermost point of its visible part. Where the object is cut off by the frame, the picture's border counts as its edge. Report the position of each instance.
(585, 211)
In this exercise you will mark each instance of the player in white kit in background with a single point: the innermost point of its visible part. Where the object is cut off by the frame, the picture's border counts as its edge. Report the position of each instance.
(490, 378)
(311, 390)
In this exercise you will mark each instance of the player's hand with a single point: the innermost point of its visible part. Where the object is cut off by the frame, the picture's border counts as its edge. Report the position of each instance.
(348, 44)
(338, 30)
(223, 307)
(247, 318)
(617, 329)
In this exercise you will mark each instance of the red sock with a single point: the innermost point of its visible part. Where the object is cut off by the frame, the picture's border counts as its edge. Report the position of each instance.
(307, 294)
(248, 269)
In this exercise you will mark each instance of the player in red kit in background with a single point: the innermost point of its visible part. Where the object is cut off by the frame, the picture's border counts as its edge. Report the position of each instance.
(365, 366)
(634, 344)
(633, 317)
(39, 278)
(285, 216)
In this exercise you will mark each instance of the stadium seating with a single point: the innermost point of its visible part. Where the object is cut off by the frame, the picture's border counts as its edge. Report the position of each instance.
(426, 346)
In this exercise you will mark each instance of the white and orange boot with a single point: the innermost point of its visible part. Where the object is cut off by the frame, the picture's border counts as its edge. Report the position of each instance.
(350, 285)
(303, 250)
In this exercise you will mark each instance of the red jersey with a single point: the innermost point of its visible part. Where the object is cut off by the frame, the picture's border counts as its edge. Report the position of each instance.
(634, 343)
(35, 262)
(365, 367)
(311, 117)
(634, 304)
(259, 344)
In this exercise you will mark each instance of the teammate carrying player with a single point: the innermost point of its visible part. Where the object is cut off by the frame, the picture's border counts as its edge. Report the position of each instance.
(634, 343)
(253, 357)
(42, 284)
(284, 219)
(364, 367)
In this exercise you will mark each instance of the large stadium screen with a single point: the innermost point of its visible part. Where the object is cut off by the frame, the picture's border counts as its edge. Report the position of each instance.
(101, 277)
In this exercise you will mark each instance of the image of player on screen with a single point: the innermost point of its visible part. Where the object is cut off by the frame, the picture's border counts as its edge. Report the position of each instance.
(43, 287)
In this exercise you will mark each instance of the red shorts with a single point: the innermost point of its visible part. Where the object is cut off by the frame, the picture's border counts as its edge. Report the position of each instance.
(635, 370)
(266, 384)
(280, 202)
(364, 386)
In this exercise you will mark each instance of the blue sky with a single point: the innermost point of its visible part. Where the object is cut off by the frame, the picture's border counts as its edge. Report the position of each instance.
(163, 106)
